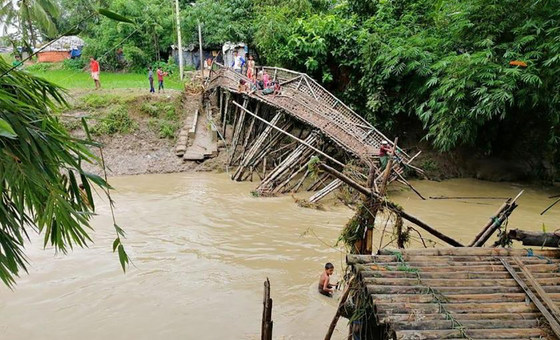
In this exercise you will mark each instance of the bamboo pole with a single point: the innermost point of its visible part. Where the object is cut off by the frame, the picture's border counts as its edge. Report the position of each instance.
(496, 222)
(391, 205)
(290, 135)
(538, 288)
(553, 323)
(334, 321)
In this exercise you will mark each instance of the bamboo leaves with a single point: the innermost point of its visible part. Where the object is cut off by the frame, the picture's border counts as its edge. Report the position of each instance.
(6, 130)
(43, 188)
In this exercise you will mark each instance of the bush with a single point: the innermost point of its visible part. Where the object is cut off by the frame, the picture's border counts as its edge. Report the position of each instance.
(74, 64)
(167, 129)
(164, 128)
(40, 67)
(150, 109)
(116, 121)
(97, 101)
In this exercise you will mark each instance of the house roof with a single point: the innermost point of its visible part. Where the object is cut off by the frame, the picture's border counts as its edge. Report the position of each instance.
(64, 44)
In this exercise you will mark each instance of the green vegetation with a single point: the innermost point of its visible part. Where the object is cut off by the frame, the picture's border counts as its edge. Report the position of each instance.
(117, 120)
(44, 188)
(164, 118)
(82, 80)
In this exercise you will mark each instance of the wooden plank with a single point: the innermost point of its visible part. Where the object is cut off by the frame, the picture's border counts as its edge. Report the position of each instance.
(536, 284)
(456, 298)
(551, 320)
(498, 333)
(459, 317)
(474, 251)
(467, 324)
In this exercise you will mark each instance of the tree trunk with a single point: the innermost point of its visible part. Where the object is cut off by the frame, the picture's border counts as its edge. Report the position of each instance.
(535, 238)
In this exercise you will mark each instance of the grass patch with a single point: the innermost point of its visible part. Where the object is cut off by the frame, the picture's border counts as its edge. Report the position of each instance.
(164, 128)
(117, 120)
(76, 79)
(97, 101)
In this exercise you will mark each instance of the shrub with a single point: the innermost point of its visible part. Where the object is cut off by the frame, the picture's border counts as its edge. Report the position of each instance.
(97, 101)
(150, 109)
(167, 129)
(40, 67)
(74, 64)
(116, 121)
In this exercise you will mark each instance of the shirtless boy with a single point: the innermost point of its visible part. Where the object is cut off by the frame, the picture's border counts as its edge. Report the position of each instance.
(325, 287)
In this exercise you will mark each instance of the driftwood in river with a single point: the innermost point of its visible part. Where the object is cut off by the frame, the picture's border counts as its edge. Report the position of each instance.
(535, 238)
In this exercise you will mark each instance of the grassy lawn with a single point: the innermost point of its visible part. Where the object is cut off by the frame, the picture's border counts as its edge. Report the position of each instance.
(82, 80)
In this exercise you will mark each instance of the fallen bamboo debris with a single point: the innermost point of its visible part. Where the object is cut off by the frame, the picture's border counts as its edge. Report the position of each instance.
(535, 238)
(495, 221)
(389, 204)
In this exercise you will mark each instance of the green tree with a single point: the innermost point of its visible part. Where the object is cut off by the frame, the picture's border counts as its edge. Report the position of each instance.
(30, 16)
(43, 188)
(141, 43)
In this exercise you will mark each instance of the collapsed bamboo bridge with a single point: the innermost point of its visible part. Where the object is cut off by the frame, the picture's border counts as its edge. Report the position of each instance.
(464, 292)
(274, 136)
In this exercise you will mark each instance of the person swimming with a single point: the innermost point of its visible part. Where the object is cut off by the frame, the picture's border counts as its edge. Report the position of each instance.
(325, 287)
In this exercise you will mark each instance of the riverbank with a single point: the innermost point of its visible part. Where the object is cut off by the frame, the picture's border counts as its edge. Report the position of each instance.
(137, 129)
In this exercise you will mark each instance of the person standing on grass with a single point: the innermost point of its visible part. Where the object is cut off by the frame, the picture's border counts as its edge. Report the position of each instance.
(94, 67)
(151, 79)
(160, 75)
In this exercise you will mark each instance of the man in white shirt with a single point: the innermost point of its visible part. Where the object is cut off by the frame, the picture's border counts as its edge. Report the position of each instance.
(238, 62)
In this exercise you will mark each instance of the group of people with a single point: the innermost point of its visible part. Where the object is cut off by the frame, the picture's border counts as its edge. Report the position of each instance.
(160, 74)
(258, 81)
(94, 69)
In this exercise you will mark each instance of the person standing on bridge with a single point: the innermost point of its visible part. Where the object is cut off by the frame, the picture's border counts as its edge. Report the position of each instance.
(384, 152)
(250, 67)
(238, 62)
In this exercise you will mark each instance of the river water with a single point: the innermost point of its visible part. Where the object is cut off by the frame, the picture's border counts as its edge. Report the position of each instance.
(201, 248)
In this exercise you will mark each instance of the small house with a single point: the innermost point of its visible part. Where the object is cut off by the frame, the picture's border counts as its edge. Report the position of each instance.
(61, 49)
(191, 55)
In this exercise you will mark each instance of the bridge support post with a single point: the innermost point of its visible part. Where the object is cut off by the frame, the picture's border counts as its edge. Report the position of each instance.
(251, 155)
(299, 155)
(237, 130)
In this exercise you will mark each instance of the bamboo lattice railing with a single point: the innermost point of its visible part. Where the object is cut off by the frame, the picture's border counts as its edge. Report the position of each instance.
(306, 100)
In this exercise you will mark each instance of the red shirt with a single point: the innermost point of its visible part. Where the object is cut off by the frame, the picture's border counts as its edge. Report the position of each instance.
(94, 65)
(384, 150)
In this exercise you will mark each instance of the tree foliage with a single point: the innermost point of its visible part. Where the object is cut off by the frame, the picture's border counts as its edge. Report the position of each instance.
(43, 187)
(30, 17)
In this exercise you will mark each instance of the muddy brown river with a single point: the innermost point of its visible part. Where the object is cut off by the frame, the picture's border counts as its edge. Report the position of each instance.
(201, 248)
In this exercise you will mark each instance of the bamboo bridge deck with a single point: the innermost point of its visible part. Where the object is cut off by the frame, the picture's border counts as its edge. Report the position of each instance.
(452, 293)
(305, 101)
(303, 98)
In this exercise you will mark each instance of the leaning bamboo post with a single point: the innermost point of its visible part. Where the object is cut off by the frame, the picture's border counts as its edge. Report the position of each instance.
(238, 131)
(390, 204)
(496, 222)
(290, 135)
(343, 299)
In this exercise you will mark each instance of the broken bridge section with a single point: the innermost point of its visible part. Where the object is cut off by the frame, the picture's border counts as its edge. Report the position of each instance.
(274, 136)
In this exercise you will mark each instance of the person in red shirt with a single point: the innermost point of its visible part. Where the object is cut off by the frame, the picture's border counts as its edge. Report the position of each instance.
(160, 75)
(384, 151)
(94, 67)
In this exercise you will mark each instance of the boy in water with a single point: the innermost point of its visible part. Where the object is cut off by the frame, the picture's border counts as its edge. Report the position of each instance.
(325, 287)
